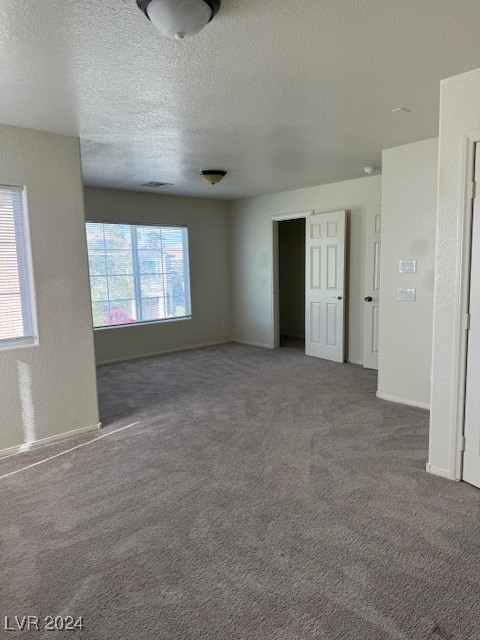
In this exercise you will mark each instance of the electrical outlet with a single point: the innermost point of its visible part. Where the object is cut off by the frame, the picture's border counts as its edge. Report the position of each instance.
(222, 324)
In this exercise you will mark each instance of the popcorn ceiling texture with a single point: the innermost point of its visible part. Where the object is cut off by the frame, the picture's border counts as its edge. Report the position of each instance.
(264, 495)
(281, 95)
(56, 391)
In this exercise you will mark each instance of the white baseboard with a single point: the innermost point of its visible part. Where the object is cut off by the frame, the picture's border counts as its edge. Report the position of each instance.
(163, 352)
(254, 344)
(409, 403)
(437, 471)
(45, 442)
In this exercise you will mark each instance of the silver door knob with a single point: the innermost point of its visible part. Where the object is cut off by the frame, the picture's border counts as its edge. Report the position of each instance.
(368, 299)
(338, 297)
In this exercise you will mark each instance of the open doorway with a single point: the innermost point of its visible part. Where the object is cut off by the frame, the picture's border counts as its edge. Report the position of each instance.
(291, 283)
(311, 295)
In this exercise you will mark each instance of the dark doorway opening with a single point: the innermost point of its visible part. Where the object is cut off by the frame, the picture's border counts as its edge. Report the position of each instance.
(291, 260)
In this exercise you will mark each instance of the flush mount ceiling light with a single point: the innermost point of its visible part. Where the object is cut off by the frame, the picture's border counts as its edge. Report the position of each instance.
(213, 176)
(156, 185)
(179, 18)
(401, 110)
(370, 170)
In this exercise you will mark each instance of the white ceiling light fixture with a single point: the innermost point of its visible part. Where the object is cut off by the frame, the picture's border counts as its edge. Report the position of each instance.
(153, 184)
(370, 170)
(179, 18)
(401, 111)
(213, 176)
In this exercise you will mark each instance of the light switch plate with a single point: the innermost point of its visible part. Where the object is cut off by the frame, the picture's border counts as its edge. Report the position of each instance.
(407, 295)
(407, 266)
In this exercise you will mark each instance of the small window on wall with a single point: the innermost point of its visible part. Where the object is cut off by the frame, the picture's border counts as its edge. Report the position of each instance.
(17, 322)
(138, 273)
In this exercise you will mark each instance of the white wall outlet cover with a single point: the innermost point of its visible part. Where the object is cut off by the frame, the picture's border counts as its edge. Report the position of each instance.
(407, 266)
(407, 295)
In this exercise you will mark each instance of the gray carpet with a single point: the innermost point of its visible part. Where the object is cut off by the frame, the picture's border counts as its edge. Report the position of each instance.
(263, 496)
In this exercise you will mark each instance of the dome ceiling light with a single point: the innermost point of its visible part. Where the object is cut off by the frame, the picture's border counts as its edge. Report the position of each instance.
(213, 176)
(179, 18)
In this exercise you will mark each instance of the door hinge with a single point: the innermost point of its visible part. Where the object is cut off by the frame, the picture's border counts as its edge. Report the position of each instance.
(473, 189)
(462, 443)
(468, 319)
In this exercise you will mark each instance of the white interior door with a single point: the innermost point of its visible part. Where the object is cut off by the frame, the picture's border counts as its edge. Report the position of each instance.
(372, 287)
(471, 456)
(325, 285)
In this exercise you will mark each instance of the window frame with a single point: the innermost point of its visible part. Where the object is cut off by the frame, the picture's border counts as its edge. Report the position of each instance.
(136, 275)
(24, 261)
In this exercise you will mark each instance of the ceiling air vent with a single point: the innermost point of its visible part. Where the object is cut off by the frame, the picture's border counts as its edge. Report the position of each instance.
(157, 185)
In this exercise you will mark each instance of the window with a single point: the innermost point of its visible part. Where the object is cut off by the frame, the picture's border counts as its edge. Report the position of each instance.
(16, 313)
(138, 273)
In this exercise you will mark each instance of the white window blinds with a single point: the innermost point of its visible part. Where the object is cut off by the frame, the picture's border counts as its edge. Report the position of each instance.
(16, 318)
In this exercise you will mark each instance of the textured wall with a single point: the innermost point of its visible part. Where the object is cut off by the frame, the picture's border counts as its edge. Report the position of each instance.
(459, 115)
(50, 389)
(252, 261)
(409, 186)
(207, 222)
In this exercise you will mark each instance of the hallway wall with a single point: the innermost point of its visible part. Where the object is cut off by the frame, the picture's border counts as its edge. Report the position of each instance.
(408, 233)
(252, 258)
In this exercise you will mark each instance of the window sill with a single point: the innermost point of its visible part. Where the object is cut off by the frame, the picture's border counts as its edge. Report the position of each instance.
(142, 324)
(20, 343)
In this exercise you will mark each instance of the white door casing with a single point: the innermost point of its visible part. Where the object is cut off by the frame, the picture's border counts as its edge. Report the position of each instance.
(325, 286)
(372, 287)
(471, 456)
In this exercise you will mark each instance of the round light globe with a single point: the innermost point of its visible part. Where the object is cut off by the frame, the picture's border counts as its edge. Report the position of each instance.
(179, 18)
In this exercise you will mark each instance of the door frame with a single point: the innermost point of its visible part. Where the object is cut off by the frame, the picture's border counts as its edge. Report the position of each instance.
(462, 304)
(275, 219)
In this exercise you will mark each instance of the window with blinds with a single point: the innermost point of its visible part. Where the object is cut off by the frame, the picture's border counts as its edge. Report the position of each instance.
(138, 273)
(16, 313)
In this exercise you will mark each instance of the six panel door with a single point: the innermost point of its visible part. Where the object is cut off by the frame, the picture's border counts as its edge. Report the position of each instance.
(325, 286)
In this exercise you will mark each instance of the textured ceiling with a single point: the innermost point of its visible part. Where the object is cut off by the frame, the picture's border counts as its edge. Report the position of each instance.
(282, 95)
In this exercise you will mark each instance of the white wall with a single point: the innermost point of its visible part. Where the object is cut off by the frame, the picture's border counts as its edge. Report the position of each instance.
(409, 204)
(50, 389)
(459, 119)
(207, 222)
(252, 260)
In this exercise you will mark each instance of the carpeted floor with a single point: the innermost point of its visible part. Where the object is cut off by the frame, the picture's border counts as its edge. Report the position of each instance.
(263, 495)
